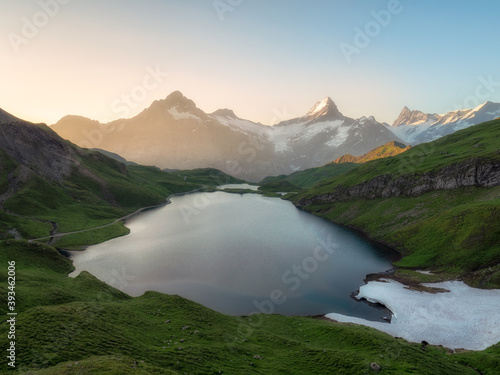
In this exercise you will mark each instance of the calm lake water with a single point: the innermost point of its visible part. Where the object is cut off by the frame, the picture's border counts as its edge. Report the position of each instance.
(239, 254)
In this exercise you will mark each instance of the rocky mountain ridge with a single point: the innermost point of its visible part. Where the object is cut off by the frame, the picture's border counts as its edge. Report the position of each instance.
(39, 148)
(415, 127)
(174, 134)
(480, 172)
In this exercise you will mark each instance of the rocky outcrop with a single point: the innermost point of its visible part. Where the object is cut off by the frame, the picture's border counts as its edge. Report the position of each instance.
(472, 172)
(39, 148)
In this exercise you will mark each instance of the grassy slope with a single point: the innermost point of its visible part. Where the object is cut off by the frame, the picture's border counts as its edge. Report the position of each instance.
(82, 326)
(304, 179)
(477, 141)
(86, 200)
(384, 151)
(456, 232)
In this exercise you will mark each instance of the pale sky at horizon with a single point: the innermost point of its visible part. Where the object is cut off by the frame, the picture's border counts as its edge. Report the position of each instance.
(266, 60)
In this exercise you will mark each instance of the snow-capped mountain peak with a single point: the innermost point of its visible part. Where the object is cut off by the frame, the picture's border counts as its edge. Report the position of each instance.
(415, 127)
(409, 117)
(326, 107)
(173, 133)
(486, 106)
(319, 106)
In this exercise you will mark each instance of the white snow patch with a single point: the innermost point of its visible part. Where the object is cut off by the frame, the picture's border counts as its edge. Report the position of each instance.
(340, 137)
(318, 107)
(410, 132)
(479, 107)
(245, 126)
(282, 136)
(464, 317)
(182, 115)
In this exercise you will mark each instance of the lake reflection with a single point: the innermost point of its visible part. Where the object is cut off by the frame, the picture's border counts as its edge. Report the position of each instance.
(230, 252)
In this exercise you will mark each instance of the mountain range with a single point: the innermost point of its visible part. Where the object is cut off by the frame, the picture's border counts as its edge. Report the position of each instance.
(415, 127)
(442, 215)
(49, 186)
(173, 133)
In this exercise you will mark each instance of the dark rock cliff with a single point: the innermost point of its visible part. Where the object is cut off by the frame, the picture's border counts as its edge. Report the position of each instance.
(473, 172)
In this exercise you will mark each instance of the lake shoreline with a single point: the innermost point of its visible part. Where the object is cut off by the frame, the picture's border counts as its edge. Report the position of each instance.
(123, 219)
(392, 273)
(362, 255)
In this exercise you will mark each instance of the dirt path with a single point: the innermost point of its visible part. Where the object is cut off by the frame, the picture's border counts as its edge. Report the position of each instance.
(54, 235)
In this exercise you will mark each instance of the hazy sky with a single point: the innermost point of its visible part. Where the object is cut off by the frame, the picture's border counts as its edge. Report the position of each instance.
(268, 60)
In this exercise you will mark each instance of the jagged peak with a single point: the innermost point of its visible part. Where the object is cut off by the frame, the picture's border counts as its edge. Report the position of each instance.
(319, 106)
(177, 99)
(224, 112)
(484, 105)
(179, 103)
(407, 115)
(175, 96)
(326, 107)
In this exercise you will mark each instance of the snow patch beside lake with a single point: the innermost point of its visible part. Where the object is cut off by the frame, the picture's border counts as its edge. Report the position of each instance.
(464, 317)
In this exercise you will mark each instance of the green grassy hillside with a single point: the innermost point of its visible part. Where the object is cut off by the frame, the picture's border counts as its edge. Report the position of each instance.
(304, 179)
(384, 151)
(83, 326)
(479, 141)
(98, 191)
(452, 230)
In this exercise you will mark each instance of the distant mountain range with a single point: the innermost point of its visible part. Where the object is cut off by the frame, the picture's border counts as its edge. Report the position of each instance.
(49, 184)
(173, 133)
(415, 127)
